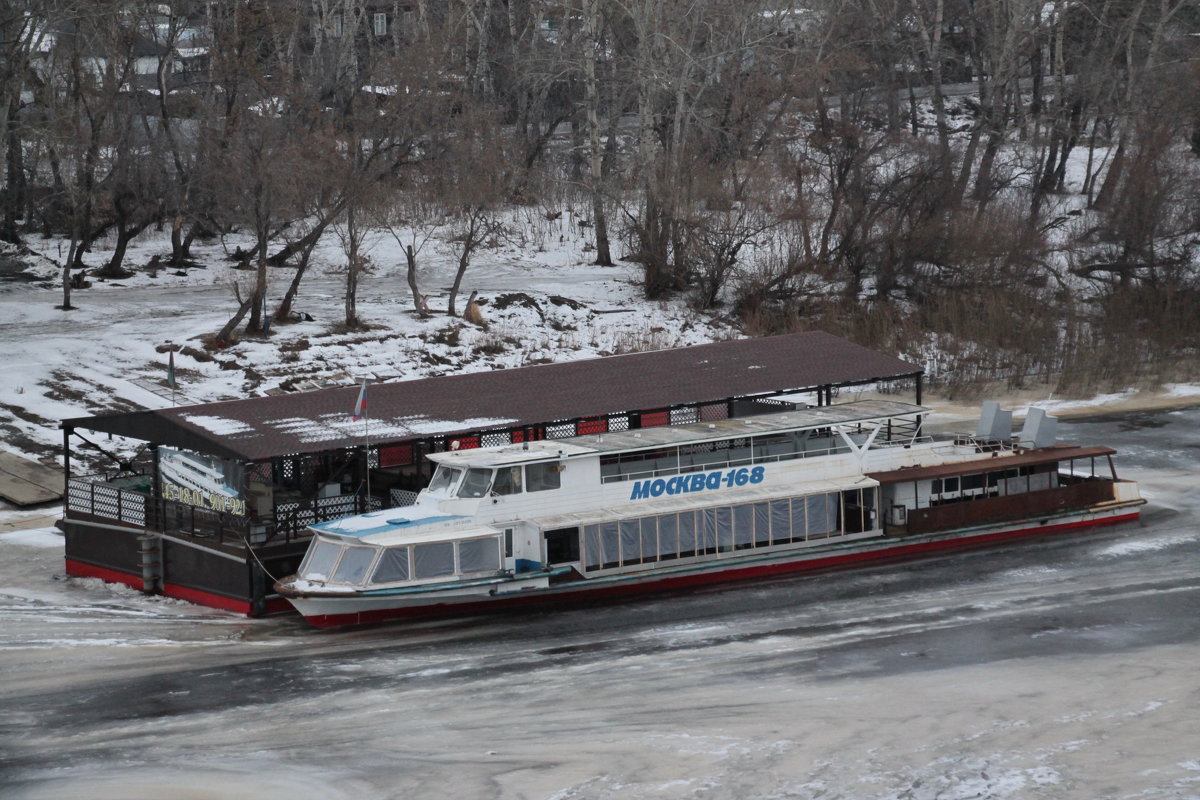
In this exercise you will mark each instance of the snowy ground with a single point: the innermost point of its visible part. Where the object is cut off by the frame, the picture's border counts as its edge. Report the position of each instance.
(543, 301)
(1050, 670)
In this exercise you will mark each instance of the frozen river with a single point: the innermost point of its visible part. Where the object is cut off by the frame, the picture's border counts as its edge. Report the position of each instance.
(1053, 669)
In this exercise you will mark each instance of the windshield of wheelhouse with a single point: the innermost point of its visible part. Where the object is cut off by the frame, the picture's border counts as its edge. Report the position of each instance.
(476, 484)
(320, 560)
(445, 480)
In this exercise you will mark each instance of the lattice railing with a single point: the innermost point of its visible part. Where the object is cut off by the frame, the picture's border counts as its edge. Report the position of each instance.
(105, 502)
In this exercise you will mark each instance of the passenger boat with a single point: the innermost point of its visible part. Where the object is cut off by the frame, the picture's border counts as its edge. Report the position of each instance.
(659, 508)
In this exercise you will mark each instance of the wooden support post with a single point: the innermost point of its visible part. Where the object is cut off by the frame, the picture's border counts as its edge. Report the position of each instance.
(67, 429)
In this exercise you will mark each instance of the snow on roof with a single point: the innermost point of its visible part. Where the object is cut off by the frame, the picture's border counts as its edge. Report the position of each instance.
(386, 521)
(218, 425)
(309, 422)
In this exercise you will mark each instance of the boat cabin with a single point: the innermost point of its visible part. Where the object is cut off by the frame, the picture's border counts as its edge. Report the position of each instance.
(593, 504)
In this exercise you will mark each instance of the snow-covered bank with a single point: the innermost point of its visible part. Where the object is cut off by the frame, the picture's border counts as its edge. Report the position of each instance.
(542, 300)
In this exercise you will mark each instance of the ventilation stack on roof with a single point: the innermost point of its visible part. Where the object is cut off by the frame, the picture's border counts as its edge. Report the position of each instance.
(1040, 429)
(995, 424)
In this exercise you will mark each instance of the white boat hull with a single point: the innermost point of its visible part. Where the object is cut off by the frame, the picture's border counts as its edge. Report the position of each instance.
(536, 589)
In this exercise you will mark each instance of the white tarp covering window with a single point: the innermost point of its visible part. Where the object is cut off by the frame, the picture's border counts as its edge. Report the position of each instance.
(393, 566)
(479, 555)
(725, 528)
(781, 521)
(354, 564)
(610, 542)
(822, 514)
(762, 524)
(649, 538)
(668, 542)
(433, 560)
(631, 546)
(743, 525)
(593, 556)
(687, 533)
(706, 528)
(720, 529)
(321, 560)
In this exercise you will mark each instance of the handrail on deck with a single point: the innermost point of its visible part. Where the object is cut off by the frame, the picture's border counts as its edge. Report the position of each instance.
(96, 499)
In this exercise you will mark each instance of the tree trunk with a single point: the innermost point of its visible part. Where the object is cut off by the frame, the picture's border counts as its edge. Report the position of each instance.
(351, 268)
(591, 41)
(14, 189)
(66, 273)
(419, 304)
(289, 297)
(178, 252)
(464, 260)
(227, 331)
(309, 239)
(260, 284)
(124, 237)
(983, 178)
(1112, 177)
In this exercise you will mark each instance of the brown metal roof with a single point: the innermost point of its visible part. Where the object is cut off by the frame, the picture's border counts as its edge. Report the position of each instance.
(263, 427)
(1026, 458)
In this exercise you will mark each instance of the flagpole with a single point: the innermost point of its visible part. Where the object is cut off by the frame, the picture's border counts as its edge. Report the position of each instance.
(367, 442)
(171, 375)
(360, 409)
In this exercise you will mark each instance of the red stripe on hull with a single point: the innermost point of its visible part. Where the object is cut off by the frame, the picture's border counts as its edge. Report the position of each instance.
(275, 605)
(81, 570)
(202, 598)
(898, 551)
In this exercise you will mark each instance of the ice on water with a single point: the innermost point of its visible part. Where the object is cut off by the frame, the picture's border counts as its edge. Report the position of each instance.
(1057, 669)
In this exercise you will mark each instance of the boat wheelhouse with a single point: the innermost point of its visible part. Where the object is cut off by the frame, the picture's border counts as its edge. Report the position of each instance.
(666, 507)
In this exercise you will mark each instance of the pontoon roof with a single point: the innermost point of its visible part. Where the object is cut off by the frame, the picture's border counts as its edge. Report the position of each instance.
(310, 422)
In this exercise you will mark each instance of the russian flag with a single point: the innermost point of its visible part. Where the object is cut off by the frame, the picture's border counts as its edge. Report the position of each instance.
(360, 406)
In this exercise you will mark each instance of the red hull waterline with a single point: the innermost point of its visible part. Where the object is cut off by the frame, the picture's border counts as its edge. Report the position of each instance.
(200, 597)
(666, 583)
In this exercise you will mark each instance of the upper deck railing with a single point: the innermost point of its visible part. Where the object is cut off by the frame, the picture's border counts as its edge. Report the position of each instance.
(99, 501)
(681, 462)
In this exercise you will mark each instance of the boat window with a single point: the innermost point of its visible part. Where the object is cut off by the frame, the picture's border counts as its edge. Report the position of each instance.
(540, 477)
(687, 533)
(562, 545)
(354, 564)
(592, 548)
(743, 526)
(631, 543)
(476, 484)
(393, 566)
(508, 481)
(444, 479)
(668, 540)
(321, 559)
(762, 524)
(820, 511)
(434, 559)
(649, 538)
(479, 555)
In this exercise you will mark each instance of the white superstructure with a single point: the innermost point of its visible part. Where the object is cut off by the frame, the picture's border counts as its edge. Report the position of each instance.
(634, 506)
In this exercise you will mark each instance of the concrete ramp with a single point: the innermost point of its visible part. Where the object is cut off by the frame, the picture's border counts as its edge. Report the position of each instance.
(27, 483)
